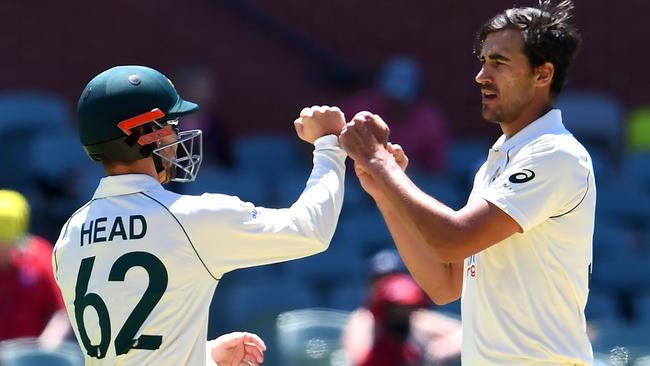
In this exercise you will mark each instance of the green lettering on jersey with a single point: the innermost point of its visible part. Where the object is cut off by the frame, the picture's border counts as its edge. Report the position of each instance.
(117, 230)
(125, 339)
(88, 232)
(81, 301)
(132, 229)
(98, 229)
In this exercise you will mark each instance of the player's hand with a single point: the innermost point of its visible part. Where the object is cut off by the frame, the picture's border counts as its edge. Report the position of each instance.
(367, 181)
(237, 349)
(319, 121)
(365, 138)
(399, 155)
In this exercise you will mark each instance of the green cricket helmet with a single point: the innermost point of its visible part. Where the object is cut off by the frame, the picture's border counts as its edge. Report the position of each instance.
(122, 114)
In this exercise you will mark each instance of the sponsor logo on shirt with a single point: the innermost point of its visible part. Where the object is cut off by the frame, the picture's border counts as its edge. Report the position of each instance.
(522, 177)
(251, 207)
(471, 266)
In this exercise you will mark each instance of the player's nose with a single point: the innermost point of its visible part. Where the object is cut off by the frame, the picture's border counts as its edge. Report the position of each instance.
(482, 76)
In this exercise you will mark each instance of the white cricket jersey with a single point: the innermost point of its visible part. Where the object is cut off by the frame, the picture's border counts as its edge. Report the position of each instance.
(138, 265)
(523, 298)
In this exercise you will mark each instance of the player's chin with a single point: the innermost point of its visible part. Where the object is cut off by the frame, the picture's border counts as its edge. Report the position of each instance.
(489, 115)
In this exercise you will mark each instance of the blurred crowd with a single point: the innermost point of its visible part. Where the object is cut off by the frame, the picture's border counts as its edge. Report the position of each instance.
(385, 318)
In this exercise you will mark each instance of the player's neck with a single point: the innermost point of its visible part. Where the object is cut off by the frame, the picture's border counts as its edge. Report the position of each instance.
(142, 166)
(536, 109)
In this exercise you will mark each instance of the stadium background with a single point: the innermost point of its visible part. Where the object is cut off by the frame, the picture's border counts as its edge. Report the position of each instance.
(272, 58)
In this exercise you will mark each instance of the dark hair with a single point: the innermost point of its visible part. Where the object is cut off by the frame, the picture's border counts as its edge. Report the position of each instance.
(546, 32)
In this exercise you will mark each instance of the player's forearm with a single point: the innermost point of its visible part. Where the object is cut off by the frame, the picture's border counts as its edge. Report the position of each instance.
(438, 225)
(439, 280)
(319, 205)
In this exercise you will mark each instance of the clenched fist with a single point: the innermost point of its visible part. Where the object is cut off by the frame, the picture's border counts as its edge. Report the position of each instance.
(366, 179)
(364, 137)
(319, 121)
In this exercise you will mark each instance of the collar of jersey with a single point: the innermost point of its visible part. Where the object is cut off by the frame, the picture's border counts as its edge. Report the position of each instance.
(117, 185)
(550, 123)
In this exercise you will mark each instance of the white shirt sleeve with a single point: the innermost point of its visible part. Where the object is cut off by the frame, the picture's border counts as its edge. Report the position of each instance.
(542, 181)
(228, 233)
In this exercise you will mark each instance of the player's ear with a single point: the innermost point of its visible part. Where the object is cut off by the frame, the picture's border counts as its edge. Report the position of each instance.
(544, 74)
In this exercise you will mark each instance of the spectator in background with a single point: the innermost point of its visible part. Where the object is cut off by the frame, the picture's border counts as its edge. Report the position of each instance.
(416, 124)
(30, 303)
(199, 83)
(395, 327)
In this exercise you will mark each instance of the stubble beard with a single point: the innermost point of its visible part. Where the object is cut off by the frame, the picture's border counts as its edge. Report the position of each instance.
(491, 115)
(505, 113)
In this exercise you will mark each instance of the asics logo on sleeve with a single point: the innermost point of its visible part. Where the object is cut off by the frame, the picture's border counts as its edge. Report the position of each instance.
(522, 177)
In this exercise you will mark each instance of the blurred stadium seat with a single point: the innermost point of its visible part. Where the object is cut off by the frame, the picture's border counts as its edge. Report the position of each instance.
(246, 185)
(311, 337)
(58, 153)
(25, 115)
(34, 110)
(623, 200)
(87, 180)
(270, 154)
(338, 264)
(623, 273)
(289, 189)
(596, 119)
(293, 183)
(636, 168)
(602, 306)
(355, 197)
(248, 302)
(464, 158)
(348, 295)
(29, 352)
(610, 238)
(643, 307)
(254, 307)
(441, 188)
(365, 232)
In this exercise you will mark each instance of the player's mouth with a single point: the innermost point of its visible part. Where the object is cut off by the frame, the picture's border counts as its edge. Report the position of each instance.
(488, 95)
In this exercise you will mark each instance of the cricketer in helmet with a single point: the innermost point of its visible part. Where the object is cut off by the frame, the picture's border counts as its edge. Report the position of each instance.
(131, 113)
